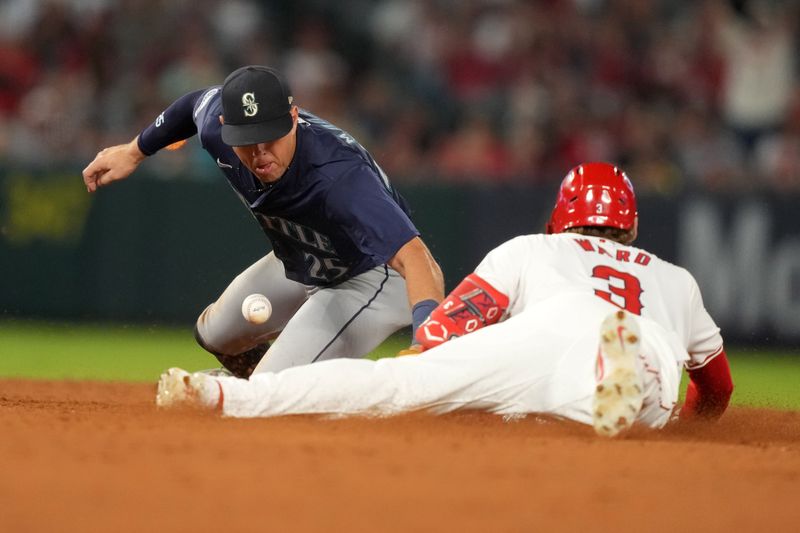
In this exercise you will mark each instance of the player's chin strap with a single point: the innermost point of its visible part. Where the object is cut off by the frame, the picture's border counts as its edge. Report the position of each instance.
(240, 365)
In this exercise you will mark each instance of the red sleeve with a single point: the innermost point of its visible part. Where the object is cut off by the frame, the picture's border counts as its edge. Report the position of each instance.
(469, 307)
(709, 390)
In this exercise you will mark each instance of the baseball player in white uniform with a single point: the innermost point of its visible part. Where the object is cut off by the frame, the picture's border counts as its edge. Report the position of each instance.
(575, 323)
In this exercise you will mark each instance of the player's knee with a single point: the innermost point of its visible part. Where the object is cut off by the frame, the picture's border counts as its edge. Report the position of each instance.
(200, 340)
(240, 363)
(215, 335)
(216, 345)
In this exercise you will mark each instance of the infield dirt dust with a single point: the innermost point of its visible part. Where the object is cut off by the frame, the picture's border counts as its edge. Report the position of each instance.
(90, 456)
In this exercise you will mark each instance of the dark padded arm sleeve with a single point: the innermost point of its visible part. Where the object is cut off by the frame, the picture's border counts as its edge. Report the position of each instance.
(175, 124)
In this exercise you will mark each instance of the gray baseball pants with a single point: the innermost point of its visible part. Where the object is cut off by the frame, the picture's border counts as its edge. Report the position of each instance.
(311, 323)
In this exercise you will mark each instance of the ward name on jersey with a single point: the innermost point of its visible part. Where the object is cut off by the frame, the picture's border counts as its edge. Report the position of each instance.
(537, 268)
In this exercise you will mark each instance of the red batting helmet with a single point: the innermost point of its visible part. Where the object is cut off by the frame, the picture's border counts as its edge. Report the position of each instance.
(594, 194)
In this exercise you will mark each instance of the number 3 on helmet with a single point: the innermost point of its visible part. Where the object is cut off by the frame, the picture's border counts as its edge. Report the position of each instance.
(594, 194)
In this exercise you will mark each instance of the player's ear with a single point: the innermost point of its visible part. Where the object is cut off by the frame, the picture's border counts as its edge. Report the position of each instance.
(221, 120)
(635, 229)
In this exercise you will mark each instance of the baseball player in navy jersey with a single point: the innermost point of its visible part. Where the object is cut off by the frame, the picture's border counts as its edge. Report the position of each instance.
(347, 266)
(575, 323)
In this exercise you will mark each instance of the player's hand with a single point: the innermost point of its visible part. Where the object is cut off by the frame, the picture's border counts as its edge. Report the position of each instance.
(112, 164)
(414, 349)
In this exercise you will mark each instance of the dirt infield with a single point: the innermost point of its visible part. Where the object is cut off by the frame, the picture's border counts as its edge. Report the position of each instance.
(100, 457)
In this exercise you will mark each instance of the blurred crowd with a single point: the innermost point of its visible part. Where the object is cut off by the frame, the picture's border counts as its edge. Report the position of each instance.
(685, 94)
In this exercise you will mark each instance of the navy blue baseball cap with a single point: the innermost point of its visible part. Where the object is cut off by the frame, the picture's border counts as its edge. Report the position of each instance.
(256, 105)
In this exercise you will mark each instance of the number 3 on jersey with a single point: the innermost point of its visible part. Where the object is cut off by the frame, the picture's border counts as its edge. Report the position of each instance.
(626, 287)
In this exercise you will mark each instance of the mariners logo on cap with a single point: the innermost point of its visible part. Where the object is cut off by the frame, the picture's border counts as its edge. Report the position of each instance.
(250, 105)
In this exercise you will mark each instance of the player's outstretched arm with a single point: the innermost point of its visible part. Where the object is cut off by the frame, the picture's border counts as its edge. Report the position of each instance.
(472, 305)
(175, 124)
(112, 164)
(424, 279)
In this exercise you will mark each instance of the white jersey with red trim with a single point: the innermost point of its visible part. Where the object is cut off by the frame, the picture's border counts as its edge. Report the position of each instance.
(531, 269)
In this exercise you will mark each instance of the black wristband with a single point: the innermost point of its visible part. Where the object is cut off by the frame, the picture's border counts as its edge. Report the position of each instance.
(419, 313)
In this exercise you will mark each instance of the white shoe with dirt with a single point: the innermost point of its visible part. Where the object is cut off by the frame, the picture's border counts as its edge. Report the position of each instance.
(177, 387)
(619, 393)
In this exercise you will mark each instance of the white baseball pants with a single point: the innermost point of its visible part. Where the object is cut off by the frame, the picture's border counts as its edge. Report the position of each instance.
(535, 362)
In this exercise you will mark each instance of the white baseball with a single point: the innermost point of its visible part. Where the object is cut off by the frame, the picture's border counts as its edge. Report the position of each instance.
(256, 309)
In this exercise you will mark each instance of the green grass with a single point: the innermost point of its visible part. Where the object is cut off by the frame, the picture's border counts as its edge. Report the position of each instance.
(78, 351)
(766, 378)
(107, 352)
(38, 350)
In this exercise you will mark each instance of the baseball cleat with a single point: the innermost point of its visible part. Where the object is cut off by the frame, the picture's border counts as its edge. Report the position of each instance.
(216, 372)
(177, 387)
(619, 393)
